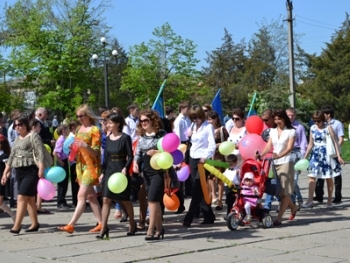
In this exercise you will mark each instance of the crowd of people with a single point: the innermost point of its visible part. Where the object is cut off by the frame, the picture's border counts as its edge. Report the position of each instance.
(109, 143)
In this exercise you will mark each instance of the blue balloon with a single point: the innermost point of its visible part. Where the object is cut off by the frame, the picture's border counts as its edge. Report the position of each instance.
(56, 174)
(67, 143)
(46, 171)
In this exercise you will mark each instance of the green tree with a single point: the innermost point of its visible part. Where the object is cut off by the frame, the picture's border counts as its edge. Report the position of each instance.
(328, 79)
(52, 43)
(168, 56)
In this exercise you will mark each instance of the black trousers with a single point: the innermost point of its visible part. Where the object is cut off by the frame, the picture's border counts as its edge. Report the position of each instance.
(197, 197)
(180, 195)
(337, 187)
(74, 183)
(62, 187)
(230, 199)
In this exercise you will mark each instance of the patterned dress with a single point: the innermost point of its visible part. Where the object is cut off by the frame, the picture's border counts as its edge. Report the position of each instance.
(320, 166)
(93, 139)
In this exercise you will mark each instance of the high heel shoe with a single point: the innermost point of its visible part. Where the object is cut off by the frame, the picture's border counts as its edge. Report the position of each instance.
(34, 229)
(308, 205)
(68, 228)
(15, 231)
(105, 233)
(161, 234)
(97, 228)
(132, 233)
(124, 219)
(149, 238)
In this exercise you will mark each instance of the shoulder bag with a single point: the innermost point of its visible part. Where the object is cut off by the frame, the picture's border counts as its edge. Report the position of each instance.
(48, 162)
(189, 144)
(330, 147)
(273, 185)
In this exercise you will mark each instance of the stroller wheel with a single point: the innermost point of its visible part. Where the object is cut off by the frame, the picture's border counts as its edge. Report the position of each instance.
(233, 221)
(267, 221)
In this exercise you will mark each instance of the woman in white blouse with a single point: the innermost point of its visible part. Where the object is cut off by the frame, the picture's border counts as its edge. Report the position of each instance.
(282, 140)
(203, 148)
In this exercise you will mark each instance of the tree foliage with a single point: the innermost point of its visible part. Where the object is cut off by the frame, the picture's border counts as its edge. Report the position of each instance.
(168, 56)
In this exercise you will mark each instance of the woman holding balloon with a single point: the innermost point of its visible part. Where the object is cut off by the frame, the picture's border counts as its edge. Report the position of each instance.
(150, 126)
(27, 172)
(86, 145)
(203, 148)
(321, 165)
(115, 179)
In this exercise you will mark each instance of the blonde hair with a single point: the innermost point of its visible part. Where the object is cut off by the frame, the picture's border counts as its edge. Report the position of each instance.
(88, 112)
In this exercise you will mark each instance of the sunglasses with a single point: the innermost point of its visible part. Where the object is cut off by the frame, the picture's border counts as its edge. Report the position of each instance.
(144, 121)
(18, 125)
(103, 120)
(236, 119)
(194, 117)
(265, 120)
(205, 110)
(317, 121)
(80, 116)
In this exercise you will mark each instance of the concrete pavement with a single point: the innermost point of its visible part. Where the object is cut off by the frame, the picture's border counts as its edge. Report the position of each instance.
(315, 235)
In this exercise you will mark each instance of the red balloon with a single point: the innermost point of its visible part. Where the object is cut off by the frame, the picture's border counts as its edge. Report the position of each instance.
(254, 124)
(250, 144)
(73, 152)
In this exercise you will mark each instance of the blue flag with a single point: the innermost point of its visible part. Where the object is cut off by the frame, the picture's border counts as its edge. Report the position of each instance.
(252, 111)
(158, 104)
(217, 106)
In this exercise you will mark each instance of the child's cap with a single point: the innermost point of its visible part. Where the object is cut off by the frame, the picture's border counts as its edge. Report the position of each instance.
(248, 176)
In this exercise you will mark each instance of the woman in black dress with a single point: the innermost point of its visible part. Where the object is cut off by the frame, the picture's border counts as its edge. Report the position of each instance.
(118, 157)
(4, 189)
(150, 127)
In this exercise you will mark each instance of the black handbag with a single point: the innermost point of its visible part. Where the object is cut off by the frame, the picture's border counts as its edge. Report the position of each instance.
(273, 185)
(189, 144)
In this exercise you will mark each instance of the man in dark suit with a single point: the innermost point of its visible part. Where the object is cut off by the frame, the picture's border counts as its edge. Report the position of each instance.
(45, 134)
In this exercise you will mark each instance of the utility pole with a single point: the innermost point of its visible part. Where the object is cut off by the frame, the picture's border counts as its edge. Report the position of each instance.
(291, 53)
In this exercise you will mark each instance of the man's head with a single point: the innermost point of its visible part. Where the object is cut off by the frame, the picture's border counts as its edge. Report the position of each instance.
(169, 112)
(41, 113)
(15, 114)
(328, 112)
(133, 110)
(291, 113)
(267, 117)
(183, 108)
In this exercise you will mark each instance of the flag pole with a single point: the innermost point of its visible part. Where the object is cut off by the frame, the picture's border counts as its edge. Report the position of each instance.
(159, 93)
(252, 104)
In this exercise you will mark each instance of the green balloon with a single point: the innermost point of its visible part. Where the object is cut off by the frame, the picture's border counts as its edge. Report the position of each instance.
(159, 144)
(301, 165)
(117, 183)
(271, 175)
(226, 148)
(165, 160)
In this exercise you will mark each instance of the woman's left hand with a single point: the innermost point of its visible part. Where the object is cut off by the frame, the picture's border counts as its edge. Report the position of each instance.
(80, 144)
(123, 171)
(41, 173)
(275, 156)
(341, 161)
(202, 160)
(151, 152)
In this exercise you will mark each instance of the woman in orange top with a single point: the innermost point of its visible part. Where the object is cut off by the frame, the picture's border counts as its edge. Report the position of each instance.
(88, 167)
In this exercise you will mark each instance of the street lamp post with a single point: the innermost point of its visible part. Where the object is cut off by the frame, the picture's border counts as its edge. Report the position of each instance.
(105, 65)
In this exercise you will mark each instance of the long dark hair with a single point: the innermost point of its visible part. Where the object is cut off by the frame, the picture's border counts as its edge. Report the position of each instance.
(282, 114)
(5, 145)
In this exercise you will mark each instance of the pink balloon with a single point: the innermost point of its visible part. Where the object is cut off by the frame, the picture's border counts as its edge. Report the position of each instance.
(250, 144)
(170, 142)
(46, 189)
(183, 173)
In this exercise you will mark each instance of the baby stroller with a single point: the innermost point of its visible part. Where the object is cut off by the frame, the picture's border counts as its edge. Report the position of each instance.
(260, 169)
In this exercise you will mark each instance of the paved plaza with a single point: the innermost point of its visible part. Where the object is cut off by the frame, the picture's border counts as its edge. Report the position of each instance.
(315, 235)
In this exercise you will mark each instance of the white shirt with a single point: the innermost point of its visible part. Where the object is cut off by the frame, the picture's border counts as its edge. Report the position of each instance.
(203, 141)
(181, 124)
(54, 122)
(233, 176)
(132, 123)
(229, 125)
(280, 144)
(11, 135)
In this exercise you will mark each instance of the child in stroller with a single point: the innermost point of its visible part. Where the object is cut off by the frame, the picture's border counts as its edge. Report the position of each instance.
(258, 172)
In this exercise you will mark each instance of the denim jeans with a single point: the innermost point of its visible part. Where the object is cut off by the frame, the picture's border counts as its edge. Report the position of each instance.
(296, 197)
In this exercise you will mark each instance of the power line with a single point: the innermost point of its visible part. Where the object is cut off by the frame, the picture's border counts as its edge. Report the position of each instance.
(315, 25)
(316, 21)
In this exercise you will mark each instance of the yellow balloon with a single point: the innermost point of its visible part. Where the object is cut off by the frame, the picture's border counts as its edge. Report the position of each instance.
(55, 135)
(182, 148)
(48, 148)
(153, 162)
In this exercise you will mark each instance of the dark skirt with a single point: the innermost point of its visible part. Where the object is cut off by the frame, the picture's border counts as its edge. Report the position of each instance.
(27, 178)
(154, 186)
(123, 196)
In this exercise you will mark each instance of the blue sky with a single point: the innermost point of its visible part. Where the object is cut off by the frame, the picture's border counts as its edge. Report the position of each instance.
(133, 21)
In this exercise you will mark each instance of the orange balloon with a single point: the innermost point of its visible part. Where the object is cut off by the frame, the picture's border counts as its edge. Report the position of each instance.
(182, 148)
(171, 202)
